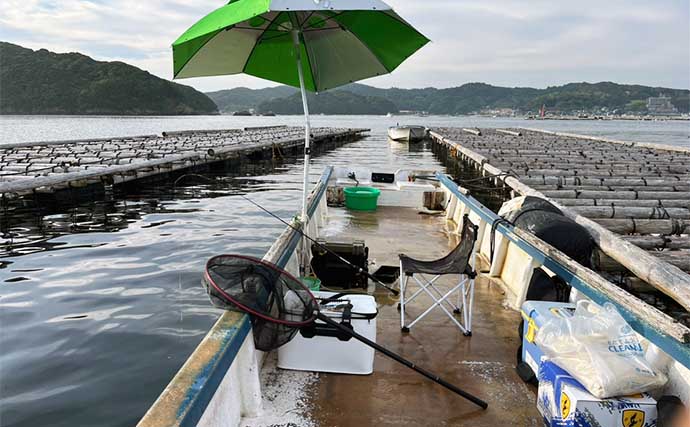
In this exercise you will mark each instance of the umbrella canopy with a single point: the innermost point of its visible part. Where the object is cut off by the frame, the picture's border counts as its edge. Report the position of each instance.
(311, 44)
(341, 41)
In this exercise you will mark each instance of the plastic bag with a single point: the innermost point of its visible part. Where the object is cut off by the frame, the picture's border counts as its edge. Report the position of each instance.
(600, 350)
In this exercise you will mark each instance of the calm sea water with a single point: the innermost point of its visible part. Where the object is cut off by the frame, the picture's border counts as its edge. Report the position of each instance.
(42, 128)
(100, 301)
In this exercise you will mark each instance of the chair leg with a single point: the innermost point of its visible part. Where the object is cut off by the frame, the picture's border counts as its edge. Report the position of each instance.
(401, 304)
(418, 291)
(469, 307)
(425, 283)
(430, 284)
(465, 297)
(459, 302)
(439, 303)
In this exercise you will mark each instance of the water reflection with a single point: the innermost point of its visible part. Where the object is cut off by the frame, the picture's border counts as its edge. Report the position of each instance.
(100, 301)
(30, 224)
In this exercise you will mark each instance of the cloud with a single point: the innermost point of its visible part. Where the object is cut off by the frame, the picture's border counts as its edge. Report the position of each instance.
(508, 42)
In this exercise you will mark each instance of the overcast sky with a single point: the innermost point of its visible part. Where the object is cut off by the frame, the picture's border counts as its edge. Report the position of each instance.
(535, 43)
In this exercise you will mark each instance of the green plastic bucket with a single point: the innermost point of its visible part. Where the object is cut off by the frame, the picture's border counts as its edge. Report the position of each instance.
(312, 283)
(361, 198)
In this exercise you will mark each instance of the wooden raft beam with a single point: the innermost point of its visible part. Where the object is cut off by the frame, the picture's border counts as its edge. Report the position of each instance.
(680, 259)
(665, 277)
(668, 203)
(645, 226)
(671, 148)
(631, 212)
(51, 166)
(659, 242)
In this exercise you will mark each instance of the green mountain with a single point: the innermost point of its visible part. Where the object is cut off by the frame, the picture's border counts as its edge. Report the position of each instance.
(583, 96)
(473, 97)
(42, 82)
(331, 102)
(242, 98)
(465, 99)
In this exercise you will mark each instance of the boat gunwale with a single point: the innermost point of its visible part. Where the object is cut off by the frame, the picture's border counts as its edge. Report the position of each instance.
(661, 330)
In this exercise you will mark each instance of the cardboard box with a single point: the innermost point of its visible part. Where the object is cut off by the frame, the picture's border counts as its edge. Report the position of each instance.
(564, 402)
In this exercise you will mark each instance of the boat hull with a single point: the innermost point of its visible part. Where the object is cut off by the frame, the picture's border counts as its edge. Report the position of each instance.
(407, 133)
(220, 383)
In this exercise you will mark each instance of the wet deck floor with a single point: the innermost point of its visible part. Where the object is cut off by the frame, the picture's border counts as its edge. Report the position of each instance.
(482, 364)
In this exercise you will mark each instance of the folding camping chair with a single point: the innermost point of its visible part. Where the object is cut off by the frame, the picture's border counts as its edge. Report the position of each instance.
(459, 261)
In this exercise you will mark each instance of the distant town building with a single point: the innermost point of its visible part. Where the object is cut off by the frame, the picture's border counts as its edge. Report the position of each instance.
(497, 112)
(661, 106)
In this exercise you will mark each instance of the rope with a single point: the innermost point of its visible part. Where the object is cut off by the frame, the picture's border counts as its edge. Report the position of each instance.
(482, 178)
(666, 241)
(196, 175)
(492, 242)
(663, 213)
(679, 227)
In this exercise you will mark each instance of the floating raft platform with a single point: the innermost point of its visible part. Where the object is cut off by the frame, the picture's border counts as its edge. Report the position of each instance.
(633, 198)
(47, 167)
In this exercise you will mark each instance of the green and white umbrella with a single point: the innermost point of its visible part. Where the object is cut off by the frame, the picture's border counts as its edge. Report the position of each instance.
(311, 44)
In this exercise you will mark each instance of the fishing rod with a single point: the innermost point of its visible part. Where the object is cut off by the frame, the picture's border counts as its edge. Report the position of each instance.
(321, 246)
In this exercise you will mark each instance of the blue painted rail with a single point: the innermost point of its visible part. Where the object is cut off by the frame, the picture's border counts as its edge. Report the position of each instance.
(675, 342)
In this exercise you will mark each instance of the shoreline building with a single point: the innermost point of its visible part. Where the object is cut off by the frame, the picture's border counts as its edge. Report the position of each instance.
(661, 106)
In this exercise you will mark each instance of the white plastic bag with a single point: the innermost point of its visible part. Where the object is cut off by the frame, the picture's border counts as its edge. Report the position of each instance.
(600, 350)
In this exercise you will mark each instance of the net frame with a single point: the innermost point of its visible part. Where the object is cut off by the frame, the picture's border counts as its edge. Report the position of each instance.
(249, 310)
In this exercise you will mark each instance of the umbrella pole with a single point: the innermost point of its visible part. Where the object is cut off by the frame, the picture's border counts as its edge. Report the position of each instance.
(307, 127)
(304, 262)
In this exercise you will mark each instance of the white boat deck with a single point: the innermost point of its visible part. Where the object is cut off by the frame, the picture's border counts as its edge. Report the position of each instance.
(219, 383)
(395, 395)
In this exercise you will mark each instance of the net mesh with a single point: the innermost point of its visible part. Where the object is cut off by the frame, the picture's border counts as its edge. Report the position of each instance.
(278, 303)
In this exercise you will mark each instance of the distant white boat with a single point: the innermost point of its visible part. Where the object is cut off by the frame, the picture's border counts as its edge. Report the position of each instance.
(407, 133)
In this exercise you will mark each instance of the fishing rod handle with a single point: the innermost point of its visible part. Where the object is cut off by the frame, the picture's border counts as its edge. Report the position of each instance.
(435, 378)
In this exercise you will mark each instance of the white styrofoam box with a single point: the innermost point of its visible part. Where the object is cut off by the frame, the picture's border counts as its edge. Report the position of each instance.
(329, 354)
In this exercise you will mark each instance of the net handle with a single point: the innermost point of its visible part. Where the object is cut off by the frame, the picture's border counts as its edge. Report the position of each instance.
(435, 378)
(248, 310)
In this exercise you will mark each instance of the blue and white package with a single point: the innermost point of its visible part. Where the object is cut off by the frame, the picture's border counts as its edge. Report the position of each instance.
(564, 402)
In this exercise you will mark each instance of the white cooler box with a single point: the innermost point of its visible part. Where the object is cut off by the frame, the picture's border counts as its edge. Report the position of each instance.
(329, 353)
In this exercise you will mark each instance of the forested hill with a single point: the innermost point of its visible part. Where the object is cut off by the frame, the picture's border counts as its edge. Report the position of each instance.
(465, 99)
(42, 82)
(242, 98)
(331, 102)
